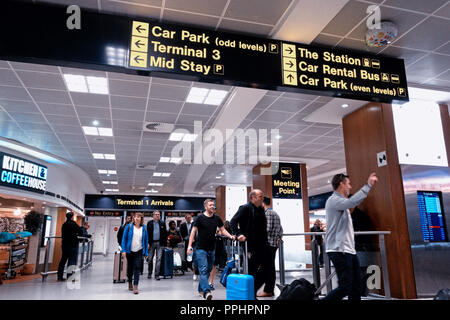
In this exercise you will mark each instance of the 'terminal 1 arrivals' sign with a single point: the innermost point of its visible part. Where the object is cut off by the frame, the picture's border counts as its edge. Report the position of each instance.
(209, 54)
(22, 174)
(286, 181)
(129, 202)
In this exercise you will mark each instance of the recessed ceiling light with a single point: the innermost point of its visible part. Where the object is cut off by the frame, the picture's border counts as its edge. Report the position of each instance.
(222, 174)
(175, 160)
(165, 174)
(80, 83)
(112, 190)
(95, 123)
(112, 172)
(114, 182)
(267, 144)
(106, 182)
(219, 177)
(164, 159)
(278, 137)
(98, 156)
(94, 131)
(200, 193)
(176, 136)
(190, 137)
(206, 96)
(102, 171)
(345, 105)
(110, 156)
(157, 174)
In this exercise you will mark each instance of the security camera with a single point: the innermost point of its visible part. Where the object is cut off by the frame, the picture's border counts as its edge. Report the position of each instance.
(101, 192)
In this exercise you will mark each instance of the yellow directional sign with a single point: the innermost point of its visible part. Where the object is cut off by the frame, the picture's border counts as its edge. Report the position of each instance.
(139, 44)
(289, 64)
(289, 50)
(140, 29)
(290, 78)
(138, 59)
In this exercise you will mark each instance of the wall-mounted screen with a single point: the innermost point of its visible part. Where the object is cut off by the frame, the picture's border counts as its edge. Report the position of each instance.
(432, 216)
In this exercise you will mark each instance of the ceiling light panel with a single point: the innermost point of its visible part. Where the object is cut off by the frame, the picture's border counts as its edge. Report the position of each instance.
(76, 83)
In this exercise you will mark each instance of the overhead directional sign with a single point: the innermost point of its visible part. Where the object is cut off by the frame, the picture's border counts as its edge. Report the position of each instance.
(117, 44)
(265, 63)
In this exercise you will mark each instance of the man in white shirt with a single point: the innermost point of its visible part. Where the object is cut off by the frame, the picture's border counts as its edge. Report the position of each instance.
(340, 237)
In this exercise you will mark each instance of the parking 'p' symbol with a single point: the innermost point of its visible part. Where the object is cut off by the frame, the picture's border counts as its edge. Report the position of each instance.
(273, 48)
(218, 69)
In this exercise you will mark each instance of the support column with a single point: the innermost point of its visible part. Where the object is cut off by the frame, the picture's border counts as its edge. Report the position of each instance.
(367, 131)
(220, 202)
(445, 118)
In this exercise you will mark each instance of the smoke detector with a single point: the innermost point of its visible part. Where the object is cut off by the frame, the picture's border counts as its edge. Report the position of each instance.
(377, 38)
(159, 127)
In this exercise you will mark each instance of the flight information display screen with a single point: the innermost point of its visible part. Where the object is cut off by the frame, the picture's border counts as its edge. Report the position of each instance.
(432, 216)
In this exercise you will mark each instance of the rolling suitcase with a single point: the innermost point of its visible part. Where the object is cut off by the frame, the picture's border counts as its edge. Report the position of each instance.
(166, 263)
(120, 268)
(241, 286)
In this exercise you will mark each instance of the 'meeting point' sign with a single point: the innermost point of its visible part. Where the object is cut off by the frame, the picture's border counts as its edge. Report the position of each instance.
(23, 174)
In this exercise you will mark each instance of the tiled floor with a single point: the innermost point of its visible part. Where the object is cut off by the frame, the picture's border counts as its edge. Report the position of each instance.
(96, 284)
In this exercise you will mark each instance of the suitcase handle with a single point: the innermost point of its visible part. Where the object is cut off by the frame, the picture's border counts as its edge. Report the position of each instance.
(245, 256)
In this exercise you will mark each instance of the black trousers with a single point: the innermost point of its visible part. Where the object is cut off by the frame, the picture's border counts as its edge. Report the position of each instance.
(68, 254)
(349, 276)
(134, 262)
(271, 272)
(259, 265)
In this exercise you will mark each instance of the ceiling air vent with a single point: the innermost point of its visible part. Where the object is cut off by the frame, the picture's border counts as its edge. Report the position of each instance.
(145, 167)
(159, 127)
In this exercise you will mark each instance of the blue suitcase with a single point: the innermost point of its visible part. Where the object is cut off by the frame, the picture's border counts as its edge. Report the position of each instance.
(166, 263)
(241, 286)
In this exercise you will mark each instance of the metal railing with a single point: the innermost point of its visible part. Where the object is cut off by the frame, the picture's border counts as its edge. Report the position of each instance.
(83, 260)
(329, 276)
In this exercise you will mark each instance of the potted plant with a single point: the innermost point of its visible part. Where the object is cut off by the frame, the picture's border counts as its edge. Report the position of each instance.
(33, 221)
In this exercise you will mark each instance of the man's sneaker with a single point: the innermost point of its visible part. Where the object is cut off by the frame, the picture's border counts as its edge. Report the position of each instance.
(157, 278)
(195, 277)
(211, 286)
(208, 296)
(200, 294)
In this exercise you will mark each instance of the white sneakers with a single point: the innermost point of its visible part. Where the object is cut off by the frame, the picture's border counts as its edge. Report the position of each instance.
(195, 277)
(208, 296)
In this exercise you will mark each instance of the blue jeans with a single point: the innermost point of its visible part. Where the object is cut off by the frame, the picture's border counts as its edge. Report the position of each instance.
(349, 276)
(205, 261)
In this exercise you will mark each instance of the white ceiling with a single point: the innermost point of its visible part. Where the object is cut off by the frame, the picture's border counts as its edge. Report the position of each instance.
(37, 109)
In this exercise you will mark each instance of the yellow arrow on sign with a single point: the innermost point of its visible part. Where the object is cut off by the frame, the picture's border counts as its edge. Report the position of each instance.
(290, 78)
(139, 44)
(140, 29)
(138, 59)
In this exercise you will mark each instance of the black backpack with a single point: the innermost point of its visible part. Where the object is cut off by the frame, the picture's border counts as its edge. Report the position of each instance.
(300, 289)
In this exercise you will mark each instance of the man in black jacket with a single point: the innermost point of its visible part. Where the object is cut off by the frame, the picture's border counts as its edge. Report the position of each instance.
(185, 231)
(128, 220)
(70, 232)
(250, 224)
(157, 240)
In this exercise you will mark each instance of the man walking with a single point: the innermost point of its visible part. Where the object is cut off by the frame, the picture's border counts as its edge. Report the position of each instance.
(185, 231)
(250, 224)
(206, 225)
(340, 238)
(157, 240)
(274, 235)
(128, 220)
(319, 240)
(70, 232)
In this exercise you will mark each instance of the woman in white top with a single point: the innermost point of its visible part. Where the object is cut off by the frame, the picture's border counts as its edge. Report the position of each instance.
(134, 248)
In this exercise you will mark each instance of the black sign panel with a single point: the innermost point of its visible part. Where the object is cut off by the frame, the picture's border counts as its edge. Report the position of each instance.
(286, 181)
(144, 47)
(16, 172)
(181, 50)
(127, 202)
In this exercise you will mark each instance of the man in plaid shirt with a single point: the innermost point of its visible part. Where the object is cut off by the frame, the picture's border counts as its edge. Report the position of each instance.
(274, 234)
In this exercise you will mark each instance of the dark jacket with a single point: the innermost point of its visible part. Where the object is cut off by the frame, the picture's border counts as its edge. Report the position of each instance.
(319, 239)
(184, 230)
(85, 233)
(120, 233)
(162, 233)
(251, 222)
(70, 232)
